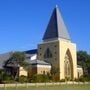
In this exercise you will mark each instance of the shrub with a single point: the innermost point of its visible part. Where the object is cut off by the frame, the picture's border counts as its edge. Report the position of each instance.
(7, 77)
(62, 80)
(81, 79)
(39, 78)
(22, 79)
(87, 78)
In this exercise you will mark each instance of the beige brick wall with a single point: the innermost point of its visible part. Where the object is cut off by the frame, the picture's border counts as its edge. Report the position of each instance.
(80, 72)
(54, 48)
(23, 72)
(44, 69)
(40, 69)
(64, 46)
(58, 49)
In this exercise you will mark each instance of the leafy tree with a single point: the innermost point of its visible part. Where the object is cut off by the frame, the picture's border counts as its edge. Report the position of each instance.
(82, 56)
(17, 59)
(84, 60)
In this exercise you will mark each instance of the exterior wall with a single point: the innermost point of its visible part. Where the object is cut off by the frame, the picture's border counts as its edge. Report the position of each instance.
(54, 61)
(80, 71)
(43, 69)
(32, 71)
(58, 49)
(54, 48)
(22, 71)
(63, 47)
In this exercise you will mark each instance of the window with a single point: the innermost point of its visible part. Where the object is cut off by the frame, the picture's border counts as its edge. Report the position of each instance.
(40, 54)
(55, 58)
(48, 54)
(55, 46)
(67, 67)
(44, 72)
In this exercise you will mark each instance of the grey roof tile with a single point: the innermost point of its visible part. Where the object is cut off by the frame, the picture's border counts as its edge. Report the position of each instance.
(34, 62)
(56, 27)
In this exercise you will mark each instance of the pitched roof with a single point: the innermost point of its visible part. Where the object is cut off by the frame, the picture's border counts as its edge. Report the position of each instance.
(35, 62)
(56, 27)
(33, 51)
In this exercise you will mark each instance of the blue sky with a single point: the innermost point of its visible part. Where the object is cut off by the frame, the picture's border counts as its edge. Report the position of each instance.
(23, 22)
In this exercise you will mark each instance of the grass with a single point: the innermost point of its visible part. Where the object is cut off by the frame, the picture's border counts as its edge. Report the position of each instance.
(57, 87)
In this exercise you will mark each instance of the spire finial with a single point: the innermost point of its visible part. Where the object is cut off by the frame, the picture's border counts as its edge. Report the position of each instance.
(56, 6)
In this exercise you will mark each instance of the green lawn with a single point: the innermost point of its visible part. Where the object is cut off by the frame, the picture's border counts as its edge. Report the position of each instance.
(60, 87)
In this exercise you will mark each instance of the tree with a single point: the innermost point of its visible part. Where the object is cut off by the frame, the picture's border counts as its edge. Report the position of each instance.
(19, 57)
(84, 60)
(12, 65)
(82, 56)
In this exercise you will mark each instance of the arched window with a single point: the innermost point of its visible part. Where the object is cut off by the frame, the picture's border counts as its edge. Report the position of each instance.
(68, 66)
(48, 53)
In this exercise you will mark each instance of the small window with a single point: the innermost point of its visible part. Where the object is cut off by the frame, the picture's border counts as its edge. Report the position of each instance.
(40, 54)
(43, 72)
(48, 54)
(55, 46)
(55, 58)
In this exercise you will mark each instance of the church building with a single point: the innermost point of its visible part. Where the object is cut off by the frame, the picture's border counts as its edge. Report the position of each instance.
(55, 55)
(58, 49)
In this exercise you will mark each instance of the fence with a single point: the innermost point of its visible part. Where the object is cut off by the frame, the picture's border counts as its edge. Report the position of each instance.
(27, 85)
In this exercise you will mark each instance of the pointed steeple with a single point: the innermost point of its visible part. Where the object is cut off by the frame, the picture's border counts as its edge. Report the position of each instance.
(56, 27)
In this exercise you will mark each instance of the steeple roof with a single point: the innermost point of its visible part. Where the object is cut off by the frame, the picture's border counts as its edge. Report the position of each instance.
(56, 27)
